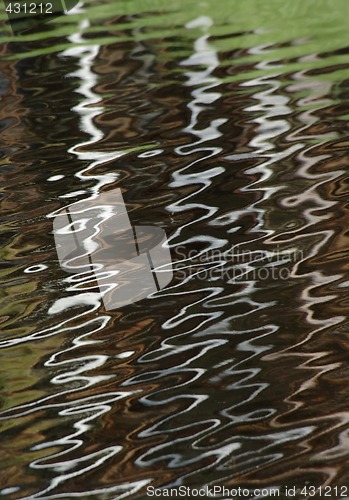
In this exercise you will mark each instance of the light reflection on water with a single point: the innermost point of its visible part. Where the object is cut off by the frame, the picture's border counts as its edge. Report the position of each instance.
(228, 145)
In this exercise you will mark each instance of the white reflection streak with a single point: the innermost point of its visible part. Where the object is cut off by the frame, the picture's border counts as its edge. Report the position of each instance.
(319, 210)
(271, 107)
(87, 109)
(203, 81)
(204, 55)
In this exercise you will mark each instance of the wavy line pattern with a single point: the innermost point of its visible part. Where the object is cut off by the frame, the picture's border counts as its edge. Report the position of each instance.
(233, 139)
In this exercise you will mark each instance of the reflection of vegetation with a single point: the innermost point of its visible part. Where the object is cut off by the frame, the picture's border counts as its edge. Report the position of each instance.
(298, 28)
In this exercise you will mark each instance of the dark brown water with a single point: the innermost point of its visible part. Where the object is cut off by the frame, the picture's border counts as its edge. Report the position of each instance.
(227, 127)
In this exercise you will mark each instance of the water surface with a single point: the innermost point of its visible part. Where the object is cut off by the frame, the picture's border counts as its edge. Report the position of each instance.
(226, 125)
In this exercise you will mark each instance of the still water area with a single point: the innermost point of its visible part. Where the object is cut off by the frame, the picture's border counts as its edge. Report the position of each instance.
(226, 125)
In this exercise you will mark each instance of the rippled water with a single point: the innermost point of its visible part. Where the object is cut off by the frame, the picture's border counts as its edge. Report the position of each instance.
(226, 125)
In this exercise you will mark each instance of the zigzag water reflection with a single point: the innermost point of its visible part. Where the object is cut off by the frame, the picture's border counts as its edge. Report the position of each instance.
(170, 349)
(213, 379)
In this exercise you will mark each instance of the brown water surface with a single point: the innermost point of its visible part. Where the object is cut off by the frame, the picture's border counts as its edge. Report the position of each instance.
(227, 126)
